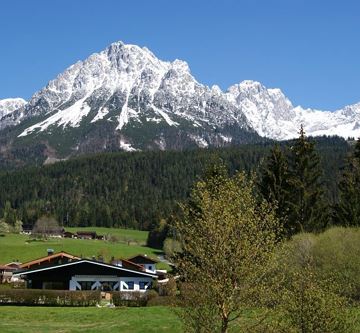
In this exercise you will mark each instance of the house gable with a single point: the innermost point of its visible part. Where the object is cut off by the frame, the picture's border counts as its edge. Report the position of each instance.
(50, 260)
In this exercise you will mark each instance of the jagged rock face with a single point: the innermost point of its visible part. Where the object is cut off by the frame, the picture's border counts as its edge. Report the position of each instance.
(9, 105)
(126, 98)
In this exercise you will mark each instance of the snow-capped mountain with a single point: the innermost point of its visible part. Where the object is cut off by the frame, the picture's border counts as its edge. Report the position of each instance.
(9, 105)
(142, 102)
(126, 98)
(272, 115)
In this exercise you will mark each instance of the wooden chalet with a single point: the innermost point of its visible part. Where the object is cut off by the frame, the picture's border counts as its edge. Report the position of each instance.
(7, 270)
(127, 264)
(68, 234)
(143, 260)
(86, 234)
(87, 274)
(27, 229)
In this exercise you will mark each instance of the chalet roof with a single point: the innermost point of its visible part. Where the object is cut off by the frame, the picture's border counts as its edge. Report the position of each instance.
(7, 268)
(85, 261)
(27, 226)
(14, 264)
(129, 263)
(86, 233)
(142, 258)
(61, 254)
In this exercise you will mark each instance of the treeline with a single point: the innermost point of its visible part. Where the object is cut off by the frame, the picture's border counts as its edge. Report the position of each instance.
(136, 190)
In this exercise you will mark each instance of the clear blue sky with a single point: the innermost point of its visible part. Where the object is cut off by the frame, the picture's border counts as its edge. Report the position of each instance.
(308, 48)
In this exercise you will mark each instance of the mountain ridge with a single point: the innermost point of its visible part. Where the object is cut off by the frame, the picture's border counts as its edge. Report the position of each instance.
(125, 98)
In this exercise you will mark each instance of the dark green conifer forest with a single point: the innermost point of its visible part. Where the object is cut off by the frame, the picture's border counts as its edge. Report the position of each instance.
(142, 189)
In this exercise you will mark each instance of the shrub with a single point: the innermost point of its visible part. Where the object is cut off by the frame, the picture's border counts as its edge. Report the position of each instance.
(169, 288)
(151, 294)
(4, 227)
(132, 299)
(171, 247)
(49, 297)
(337, 257)
(334, 255)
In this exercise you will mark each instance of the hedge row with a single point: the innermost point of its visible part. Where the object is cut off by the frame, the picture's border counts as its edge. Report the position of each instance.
(49, 297)
(132, 299)
(150, 298)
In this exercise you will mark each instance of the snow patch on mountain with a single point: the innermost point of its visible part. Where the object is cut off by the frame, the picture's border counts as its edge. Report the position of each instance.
(71, 116)
(200, 141)
(101, 114)
(165, 116)
(126, 146)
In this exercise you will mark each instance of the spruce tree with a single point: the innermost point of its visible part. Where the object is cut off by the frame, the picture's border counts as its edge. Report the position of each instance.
(274, 185)
(308, 210)
(347, 211)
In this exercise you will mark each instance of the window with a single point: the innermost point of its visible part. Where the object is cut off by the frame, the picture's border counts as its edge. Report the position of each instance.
(129, 285)
(142, 285)
(86, 285)
(150, 268)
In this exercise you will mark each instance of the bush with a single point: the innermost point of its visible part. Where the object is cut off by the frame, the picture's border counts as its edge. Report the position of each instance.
(171, 247)
(4, 227)
(151, 294)
(169, 288)
(131, 299)
(335, 256)
(49, 297)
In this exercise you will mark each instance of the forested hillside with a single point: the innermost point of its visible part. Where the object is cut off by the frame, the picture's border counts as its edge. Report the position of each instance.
(134, 190)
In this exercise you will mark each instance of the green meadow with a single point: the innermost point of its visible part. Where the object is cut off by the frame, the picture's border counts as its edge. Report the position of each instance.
(124, 244)
(126, 320)
(153, 319)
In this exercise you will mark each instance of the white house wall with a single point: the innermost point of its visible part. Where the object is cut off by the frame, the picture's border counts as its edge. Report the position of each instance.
(121, 285)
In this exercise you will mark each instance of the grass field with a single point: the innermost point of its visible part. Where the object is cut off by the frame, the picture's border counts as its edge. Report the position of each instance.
(157, 319)
(129, 242)
(125, 320)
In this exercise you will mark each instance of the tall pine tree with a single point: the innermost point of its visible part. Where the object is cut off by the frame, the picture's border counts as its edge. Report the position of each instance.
(308, 209)
(347, 211)
(274, 185)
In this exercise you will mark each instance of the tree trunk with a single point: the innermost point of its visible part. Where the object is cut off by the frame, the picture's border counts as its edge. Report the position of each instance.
(224, 324)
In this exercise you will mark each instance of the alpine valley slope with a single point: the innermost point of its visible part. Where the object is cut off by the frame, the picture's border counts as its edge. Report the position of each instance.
(124, 98)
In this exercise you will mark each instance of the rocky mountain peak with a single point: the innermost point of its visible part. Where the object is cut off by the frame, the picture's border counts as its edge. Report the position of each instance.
(9, 105)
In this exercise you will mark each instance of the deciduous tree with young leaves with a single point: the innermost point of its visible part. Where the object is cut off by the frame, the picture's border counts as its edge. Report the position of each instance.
(227, 241)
